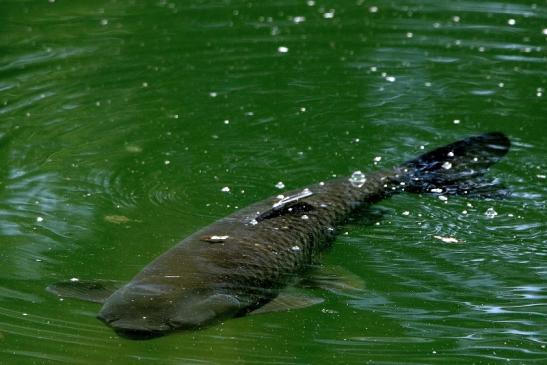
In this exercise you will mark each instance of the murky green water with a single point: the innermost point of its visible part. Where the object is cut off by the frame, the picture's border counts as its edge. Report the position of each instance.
(121, 121)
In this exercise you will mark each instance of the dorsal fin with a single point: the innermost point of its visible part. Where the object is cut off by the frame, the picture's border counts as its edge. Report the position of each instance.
(291, 204)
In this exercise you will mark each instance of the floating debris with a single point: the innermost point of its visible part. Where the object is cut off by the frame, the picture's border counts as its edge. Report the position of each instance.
(298, 19)
(305, 217)
(357, 179)
(443, 198)
(225, 189)
(447, 239)
(540, 176)
(116, 219)
(215, 238)
(406, 212)
(295, 248)
(74, 280)
(282, 49)
(253, 222)
(456, 121)
(490, 213)
(447, 165)
(280, 185)
(436, 190)
(39, 219)
(131, 148)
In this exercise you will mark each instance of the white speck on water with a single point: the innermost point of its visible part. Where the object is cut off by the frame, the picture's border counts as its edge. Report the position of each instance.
(450, 154)
(321, 183)
(38, 260)
(433, 352)
(501, 84)
(390, 78)
(305, 217)
(213, 94)
(280, 197)
(282, 49)
(39, 219)
(511, 22)
(104, 22)
(329, 14)
(469, 205)
(436, 190)
(443, 198)
(145, 84)
(280, 185)
(377, 158)
(456, 19)
(226, 121)
(447, 165)
(544, 31)
(219, 238)
(406, 212)
(295, 248)
(373, 68)
(409, 34)
(456, 121)
(490, 213)
(447, 239)
(253, 222)
(25, 314)
(225, 189)
(539, 92)
(298, 19)
(540, 176)
(475, 159)
(74, 280)
(510, 215)
(144, 317)
(422, 147)
(377, 223)
(303, 109)
(428, 84)
(310, 2)
(464, 211)
(436, 25)
(357, 179)
(166, 162)
(373, 9)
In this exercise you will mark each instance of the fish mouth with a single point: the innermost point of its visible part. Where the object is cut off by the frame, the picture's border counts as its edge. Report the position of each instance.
(136, 331)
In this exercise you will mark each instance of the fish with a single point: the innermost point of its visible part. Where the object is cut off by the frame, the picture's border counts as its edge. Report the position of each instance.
(243, 263)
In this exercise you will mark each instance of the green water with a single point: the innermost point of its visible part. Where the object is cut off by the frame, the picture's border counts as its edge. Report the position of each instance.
(121, 122)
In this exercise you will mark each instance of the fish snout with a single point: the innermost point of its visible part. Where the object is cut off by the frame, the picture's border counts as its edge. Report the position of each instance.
(138, 329)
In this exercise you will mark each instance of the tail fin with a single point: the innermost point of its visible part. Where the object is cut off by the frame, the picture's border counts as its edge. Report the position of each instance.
(456, 168)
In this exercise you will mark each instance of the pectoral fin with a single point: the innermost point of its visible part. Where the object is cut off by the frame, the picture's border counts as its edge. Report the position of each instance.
(288, 301)
(335, 279)
(96, 291)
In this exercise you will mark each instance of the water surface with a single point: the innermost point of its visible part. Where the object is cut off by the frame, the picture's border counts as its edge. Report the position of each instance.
(121, 123)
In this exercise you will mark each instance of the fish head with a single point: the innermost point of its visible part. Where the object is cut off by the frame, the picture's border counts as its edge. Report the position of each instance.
(142, 311)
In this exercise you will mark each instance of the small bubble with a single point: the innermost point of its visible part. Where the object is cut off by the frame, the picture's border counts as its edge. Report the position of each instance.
(511, 22)
(443, 198)
(409, 35)
(377, 158)
(456, 19)
(282, 49)
(39, 219)
(456, 121)
(213, 94)
(310, 2)
(391, 78)
(373, 9)
(74, 280)
(166, 162)
(406, 212)
(280, 185)
(490, 213)
(295, 248)
(305, 217)
(225, 189)
(104, 22)
(357, 179)
(253, 222)
(145, 84)
(450, 154)
(422, 147)
(544, 31)
(298, 19)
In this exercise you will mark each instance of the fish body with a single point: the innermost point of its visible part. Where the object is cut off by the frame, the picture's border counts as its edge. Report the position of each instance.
(241, 262)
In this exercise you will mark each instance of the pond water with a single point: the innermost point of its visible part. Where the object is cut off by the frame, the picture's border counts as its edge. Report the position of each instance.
(122, 121)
